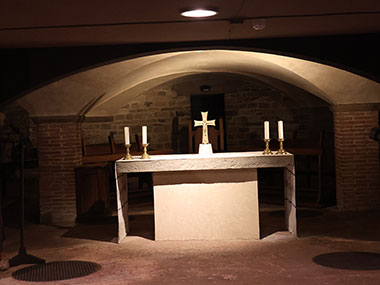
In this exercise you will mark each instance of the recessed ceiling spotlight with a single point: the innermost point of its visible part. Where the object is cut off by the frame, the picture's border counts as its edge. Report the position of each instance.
(198, 13)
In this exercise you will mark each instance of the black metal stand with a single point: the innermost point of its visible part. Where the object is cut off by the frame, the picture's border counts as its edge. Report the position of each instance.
(23, 257)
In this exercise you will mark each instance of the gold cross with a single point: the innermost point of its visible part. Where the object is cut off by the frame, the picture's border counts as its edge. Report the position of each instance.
(204, 123)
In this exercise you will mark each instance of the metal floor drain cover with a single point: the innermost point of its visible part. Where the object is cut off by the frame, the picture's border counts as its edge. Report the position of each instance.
(54, 271)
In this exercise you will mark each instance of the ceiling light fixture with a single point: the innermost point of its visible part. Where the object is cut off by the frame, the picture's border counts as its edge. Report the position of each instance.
(198, 13)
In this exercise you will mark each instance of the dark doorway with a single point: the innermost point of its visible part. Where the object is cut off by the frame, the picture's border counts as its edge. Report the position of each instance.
(213, 103)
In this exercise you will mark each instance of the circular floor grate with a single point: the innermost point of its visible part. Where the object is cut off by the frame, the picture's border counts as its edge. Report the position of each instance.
(54, 271)
(354, 260)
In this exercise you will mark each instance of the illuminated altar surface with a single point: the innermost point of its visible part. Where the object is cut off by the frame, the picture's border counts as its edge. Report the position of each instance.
(212, 197)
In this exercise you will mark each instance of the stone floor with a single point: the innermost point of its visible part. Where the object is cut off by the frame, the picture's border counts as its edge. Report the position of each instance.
(332, 248)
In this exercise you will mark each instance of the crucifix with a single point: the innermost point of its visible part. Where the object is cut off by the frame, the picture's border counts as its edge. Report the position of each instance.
(204, 123)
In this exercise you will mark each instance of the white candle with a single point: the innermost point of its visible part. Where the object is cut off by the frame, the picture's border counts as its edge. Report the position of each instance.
(280, 130)
(266, 130)
(126, 135)
(144, 135)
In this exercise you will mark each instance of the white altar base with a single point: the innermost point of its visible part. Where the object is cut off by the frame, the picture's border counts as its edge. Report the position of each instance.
(212, 197)
(207, 204)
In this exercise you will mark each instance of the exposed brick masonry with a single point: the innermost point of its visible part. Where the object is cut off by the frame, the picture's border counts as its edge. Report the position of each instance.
(357, 160)
(245, 112)
(59, 146)
(155, 109)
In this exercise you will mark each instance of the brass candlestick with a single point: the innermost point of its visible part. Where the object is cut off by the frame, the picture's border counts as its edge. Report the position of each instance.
(128, 156)
(267, 149)
(145, 154)
(281, 149)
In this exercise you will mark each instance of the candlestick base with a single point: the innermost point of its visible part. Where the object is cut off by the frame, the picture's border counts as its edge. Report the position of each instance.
(267, 149)
(281, 149)
(145, 154)
(128, 155)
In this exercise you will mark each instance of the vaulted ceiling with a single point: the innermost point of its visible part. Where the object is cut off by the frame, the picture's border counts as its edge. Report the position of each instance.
(102, 91)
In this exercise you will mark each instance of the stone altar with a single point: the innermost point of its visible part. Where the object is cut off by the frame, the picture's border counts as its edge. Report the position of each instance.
(213, 197)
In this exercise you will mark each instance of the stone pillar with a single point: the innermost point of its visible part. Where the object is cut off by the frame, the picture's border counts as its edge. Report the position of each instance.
(356, 157)
(59, 147)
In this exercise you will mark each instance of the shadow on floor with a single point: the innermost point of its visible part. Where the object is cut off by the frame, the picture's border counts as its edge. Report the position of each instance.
(354, 260)
(301, 213)
(142, 226)
(310, 222)
(328, 222)
(269, 223)
(105, 228)
(360, 225)
(100, 229)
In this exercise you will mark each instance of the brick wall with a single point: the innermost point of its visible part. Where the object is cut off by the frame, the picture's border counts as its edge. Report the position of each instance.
(357, 160)
(59, 147)
(155, 109)
(245, 111)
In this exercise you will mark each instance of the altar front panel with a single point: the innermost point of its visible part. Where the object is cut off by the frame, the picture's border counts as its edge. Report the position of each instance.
(215, 204)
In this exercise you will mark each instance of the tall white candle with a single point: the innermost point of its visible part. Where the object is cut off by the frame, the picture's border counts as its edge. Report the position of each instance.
(126, 135)
(144, 135)
(280, 130)
(266, 130)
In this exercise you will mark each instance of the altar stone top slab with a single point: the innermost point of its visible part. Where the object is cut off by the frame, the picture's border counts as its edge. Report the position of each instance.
(184, 162)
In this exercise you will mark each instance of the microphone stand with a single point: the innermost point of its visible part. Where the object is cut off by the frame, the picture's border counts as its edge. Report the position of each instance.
(22, 257)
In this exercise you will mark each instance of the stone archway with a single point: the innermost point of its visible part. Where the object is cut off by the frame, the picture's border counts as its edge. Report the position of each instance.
(100, 92)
